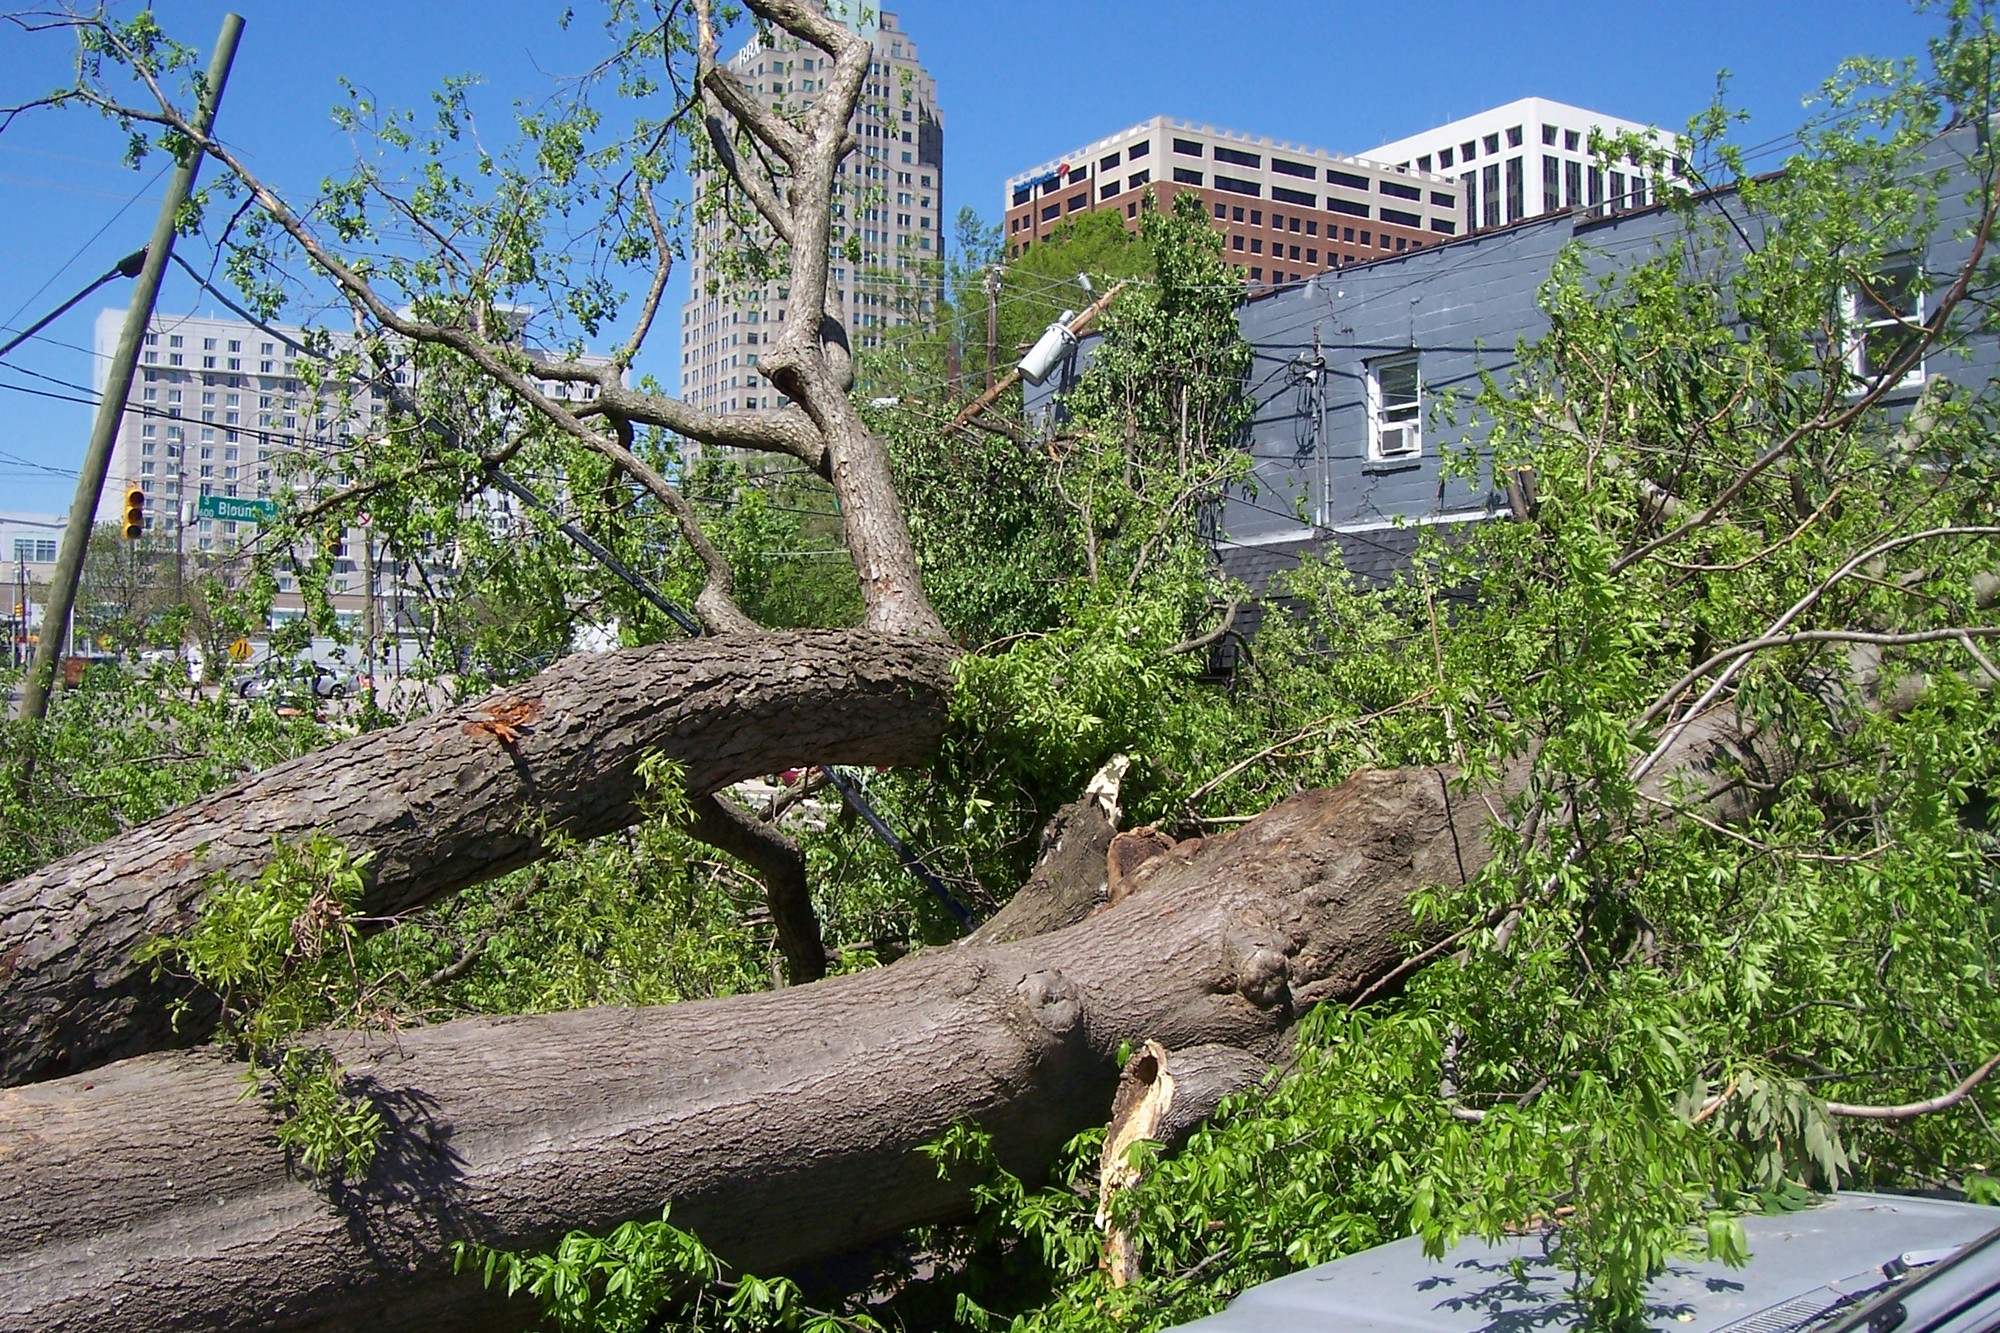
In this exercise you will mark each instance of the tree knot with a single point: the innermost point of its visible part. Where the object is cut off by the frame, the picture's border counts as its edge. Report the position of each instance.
(1054, 1001)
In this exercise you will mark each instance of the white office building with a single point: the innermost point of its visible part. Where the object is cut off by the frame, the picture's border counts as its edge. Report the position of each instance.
(888, 218)
(220, 408)
(1529, 157)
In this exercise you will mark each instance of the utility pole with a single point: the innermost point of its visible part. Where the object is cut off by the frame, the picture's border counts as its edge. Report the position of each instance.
(118, 388)
(370, 617)
(992, 324)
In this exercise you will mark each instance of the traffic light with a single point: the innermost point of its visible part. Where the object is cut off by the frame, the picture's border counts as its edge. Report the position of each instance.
(340, 546)
(134, 526)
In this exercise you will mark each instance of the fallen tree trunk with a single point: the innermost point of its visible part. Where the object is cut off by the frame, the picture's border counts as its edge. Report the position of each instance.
(444, 802)
(781, 1127)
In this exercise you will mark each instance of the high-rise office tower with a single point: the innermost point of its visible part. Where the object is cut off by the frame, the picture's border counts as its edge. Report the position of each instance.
(1287, 211)
(887, 227)
(1532, 156)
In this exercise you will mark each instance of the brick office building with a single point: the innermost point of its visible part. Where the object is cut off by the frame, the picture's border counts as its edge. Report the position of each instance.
(1286, 211)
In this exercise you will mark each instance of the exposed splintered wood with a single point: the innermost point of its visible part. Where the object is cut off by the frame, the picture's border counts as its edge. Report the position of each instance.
(445, 802)
(1068, 882)
(782, 1127)
(1163, 1096)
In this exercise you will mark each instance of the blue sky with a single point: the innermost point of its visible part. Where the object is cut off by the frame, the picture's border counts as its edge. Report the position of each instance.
(1019, 82)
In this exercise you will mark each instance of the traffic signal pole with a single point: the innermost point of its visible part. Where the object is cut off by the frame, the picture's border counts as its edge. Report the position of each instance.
(117, 389)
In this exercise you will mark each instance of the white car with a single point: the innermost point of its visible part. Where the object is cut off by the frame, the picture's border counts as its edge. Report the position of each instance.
(1885, 1263)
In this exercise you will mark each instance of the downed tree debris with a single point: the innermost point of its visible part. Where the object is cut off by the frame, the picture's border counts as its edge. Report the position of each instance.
(780, 1127)
(445, 802)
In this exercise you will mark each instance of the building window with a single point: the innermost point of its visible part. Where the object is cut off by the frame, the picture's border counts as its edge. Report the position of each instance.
(1289, 196)
(1304, 170)
(1400, 190)
(1444, 158)
(1346, 179)
(1137, 178)
(1395, 408)
(1256, 245)
(1184, 176)
(1517, 202)
(1187, 148)
(1235, 186)
(1572, 140)
(1549, 134)
(1109, 188)
(1885, 315)
(1138, 150)
(1237, 157)
(1514, 137)
(1551, 183)
(1572, 184)
(1108, 160)
(1489, 187)
(1221, 212)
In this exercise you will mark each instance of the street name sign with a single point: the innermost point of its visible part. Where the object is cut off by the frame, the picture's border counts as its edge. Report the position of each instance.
(233, 509)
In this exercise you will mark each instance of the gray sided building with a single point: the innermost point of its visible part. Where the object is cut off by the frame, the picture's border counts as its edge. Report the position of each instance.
(1363, 379)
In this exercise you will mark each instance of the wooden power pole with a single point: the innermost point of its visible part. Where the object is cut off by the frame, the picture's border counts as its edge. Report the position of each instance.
(118, 388)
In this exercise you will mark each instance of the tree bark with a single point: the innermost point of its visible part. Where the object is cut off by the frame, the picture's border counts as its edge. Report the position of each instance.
(727, 827)
(444, 802)
(781, 1127)
(1068, 881)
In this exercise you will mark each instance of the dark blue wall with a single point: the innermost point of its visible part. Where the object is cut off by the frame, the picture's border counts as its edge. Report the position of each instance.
(1464, 307)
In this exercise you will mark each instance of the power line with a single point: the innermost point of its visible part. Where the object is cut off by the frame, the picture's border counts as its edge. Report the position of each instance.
(39, 467)
(64, 267)
(128, 267)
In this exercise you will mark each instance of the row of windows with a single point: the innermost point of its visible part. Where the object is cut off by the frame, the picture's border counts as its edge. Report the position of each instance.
(1884, 317)
(1565, 184)
(1284, 195)
(1235, 157)
(1572, 141)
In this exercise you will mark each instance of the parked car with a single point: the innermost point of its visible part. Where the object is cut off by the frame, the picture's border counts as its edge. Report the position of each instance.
(293, 681)
(1854, 1262)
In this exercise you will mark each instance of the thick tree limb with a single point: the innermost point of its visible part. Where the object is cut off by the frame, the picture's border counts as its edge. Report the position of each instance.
(1069, 880)
(780, 1126)
(726, 826)
(444, 802)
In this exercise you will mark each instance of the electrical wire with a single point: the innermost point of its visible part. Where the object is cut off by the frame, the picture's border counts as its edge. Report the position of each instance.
(128, 267)
(64, 267)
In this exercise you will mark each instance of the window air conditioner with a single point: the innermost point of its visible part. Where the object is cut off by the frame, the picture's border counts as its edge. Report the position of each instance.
(1400, 441)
